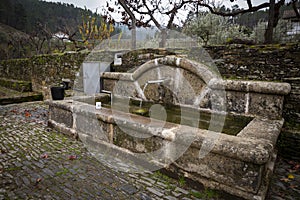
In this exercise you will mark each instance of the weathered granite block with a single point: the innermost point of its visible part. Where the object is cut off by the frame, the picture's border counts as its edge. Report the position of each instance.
(240, 164)
(253, 97)
(265, 105)
(236, 101)
(108, 84)
(61, 114)
(232, 172)
(134, 143)
(90, 125)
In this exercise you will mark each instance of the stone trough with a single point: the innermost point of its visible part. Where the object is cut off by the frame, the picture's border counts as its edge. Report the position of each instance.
(240, 164)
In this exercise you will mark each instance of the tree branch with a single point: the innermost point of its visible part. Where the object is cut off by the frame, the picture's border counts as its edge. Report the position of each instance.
(249, 2)
(234, 13)
(294, 4)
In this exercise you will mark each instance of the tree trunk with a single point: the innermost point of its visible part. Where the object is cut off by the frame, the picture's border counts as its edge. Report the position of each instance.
(133, 34)
(49, 45)
(133, 20)
(269, 30)
(163, 42)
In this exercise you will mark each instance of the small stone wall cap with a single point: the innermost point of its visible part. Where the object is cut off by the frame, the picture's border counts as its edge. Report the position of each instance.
(251, 86)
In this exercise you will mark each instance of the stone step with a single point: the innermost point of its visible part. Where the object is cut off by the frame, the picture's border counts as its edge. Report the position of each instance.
(8, 96)
(18, 85)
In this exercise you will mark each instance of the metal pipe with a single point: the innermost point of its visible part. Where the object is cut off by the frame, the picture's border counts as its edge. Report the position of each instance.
(105, 91)
(155, 81)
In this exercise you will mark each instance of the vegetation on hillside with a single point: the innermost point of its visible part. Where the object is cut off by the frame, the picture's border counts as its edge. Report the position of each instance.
(10, 37)
(248, 28)
(25, 14)
(47, 27)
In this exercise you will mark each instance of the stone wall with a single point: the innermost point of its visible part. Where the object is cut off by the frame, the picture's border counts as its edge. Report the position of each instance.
(257, 62)
(43, 70)
(266, 63)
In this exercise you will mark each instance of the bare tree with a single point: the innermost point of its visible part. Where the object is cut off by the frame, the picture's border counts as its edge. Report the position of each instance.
(71, 33)
(38, 38)
(139, 13)
(17, 47)
(133, 19)
(272, 19)
(295, 8)
(144, 12)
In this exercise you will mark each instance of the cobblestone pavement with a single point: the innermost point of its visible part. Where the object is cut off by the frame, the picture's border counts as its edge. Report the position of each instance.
(39, 163)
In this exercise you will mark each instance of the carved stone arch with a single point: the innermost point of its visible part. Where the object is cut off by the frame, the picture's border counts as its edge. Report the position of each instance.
(186, 79)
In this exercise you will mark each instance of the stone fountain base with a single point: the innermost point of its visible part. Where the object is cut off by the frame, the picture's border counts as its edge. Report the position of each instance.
(240, 165)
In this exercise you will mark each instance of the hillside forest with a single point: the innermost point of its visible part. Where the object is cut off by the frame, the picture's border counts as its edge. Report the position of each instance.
(29, 27)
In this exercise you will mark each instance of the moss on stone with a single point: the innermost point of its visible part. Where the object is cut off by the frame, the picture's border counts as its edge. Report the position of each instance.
(141, 111)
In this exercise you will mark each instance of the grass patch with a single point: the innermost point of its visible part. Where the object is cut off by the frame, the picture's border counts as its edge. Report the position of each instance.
(13, 168)
(169, 182)
(64, 171)
(161, 176)
(205, 194)
(181, 181)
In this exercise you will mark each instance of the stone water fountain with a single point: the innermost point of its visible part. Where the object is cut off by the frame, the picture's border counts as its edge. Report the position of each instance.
(220, 133)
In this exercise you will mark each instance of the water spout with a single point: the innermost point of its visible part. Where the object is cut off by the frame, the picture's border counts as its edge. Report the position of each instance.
(160, 89)
(155, 81)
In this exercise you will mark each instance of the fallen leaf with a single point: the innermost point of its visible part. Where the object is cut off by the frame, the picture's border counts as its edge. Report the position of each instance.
(296, 167)
(72, 157)
(27, 114)
(44, 156)
(291, 176)
(38, 180)
(285, 179)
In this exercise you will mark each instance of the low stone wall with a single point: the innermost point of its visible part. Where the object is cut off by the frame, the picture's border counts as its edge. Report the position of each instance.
(260, 62)
(43, 70)
(18, 69)
(21, 86)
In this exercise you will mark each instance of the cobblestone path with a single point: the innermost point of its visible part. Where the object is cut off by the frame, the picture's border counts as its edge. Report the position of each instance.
(39, 163)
